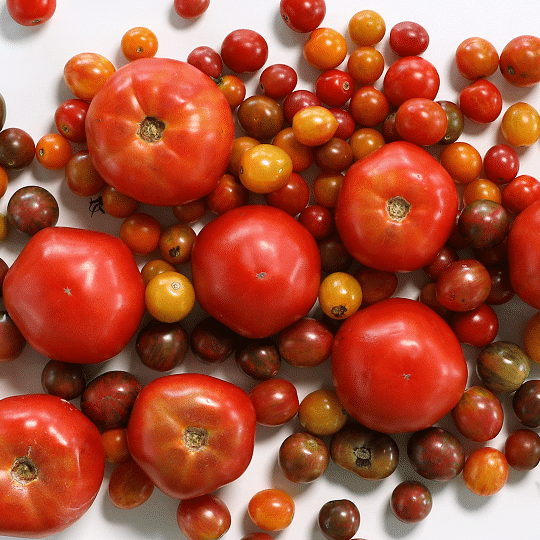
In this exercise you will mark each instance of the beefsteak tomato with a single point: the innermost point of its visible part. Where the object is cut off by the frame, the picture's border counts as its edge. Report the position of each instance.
(160, 131)
(397, 366)
(192, 433)
(51, 465)
(396, 208)
(524, 255)
(256, 269)
(76, 295)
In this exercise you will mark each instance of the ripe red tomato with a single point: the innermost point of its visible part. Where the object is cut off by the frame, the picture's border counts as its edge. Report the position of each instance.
(256, 269)
(481, 101)
(524, 255)
(83, 286)
(519, 61)
(384, 225)
(383, 369)
(244, 50)
(52, 462)
(143, 127)
(203, 423)
(302, 15)
(31, 12)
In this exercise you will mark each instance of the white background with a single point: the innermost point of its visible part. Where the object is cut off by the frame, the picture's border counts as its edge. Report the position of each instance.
(31, 83)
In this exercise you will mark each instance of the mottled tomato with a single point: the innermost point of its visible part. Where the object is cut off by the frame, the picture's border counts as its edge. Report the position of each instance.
(83, 286)
(258, 358)
(303, 457)
(275, 401)
(139, 141)
(205, 517)
(211, 341)
(408, 38)
(256, 260)
(129, 486)
(62, 379)
(383, 369)
(207, 423)
(483, 223)
(52, 463)
(339, 519)
(86, 73)
(383, 224)
(31, 209)
(526, 403)
(411, 501)
(485, 471)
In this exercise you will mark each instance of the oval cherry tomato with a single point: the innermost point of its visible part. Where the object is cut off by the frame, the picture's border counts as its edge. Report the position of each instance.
(86, 73)
(485, 471)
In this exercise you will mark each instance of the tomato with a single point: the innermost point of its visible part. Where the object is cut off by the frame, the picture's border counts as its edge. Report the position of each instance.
(255, 260)
(31, 12)
(501, 163)
(86, 73)
(411, 501)
(139, 42)
(334, 87)
(477, 327)
(208, 425)
(321, 413)
(17, 149)
(366, 27)
(421, 121)
(314, 125)
(365, 65)
(520, 124)
(383, 225)
(233, 89)
(258, 358)
(83, 286)
(292, 197)
(260, 116)
(485, 471)
(278, 80)
(139, 141)
(211, 341)
(408, 38)
(12, 342)
(129, 486)
(524, 255)
(334, 156)
(52, 463)
(519, 61)
(339, 519)
(456, 121)
(69, 119)
(31, 209)
(481, 101)
(526, 403)
(190, 9)
(303, 457)
(476, 57)
(340, 295)
(522, 449)
(63, 379)
(81, 176)
(395, 341)
(302, 15)
(244, 50)
(325, 48)
(275, 401)
(203, 518)
(207, 60)
(483, 223)
(271, 509)
(53, 151)
(520, 192)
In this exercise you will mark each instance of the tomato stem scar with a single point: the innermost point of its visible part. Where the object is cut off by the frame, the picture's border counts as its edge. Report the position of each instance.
(24, 470)
(398, 208)
(151, 129)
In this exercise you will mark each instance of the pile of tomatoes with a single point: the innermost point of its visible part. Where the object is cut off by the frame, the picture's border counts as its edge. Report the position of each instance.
(288, 245)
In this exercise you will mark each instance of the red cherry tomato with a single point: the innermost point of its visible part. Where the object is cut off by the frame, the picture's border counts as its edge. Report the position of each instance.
(481, 101)
(302, 15)
(244, 51)
(408, 38)
(31, 12)
(191, 9)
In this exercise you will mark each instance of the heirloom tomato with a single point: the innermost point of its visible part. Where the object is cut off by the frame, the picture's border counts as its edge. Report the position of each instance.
(83, 287)
(524, 255)
(256, 269)
(383, 368)
(51, 465)
(192, 433)
(396, 208)
(151, 128)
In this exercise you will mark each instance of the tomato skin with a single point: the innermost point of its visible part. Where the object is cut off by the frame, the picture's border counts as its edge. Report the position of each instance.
(255, 260)
(212, 434)
(31, 12)
(198, 122)
(382, 366)
(383, 224)
(524, 255)
(54, 289)
(54, 436)
(485, 471)
(518, 61)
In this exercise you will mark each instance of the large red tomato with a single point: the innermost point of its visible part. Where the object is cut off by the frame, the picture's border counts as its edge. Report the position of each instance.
(76, 295)
(396, 208)
(51, 465)
(192, 433)
(397, 366)
(256, 269)
(524, 255)
(160, 131)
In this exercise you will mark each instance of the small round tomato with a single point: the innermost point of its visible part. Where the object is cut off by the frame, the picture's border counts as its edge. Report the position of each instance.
(421, 121)
(292, 197)
(129, 486)
(326, 188)
(366, 27)
(258, 358)
(63, 379)
(408, 38)
(339, 519)
(334, 256)
(462, 161)
(411, 501)
(86, 73)
(17, 149)
(260, 116)
(190, 212)
(481, 189)
(481, 101)
(456, 121)
(139, 42)
(522, 449)
(190, 9)
(340, 295)
(141, 233)
(228, 194)
(321, 413)
(205, 517)
(376, 285)
(369, 106)
(364, 141)
(176, 242)
(365, 65)
(520, 192)
(31, 209)
(211, 341)
(297, 100)
(531, 338)
(519, 61)
(81, 176)
(31, 12)
(318, 220)
(477, 327)
(501, 163)
(115, 445)
(117, 204)
(483, 223)
(325, 48)
(154, 267)
(314, 125)
(485, 471)
(301, 155)
(302, 15)
(278, 80)
(12, 343)
(233, 88)
(69, 119)
(275, 401)
(53, 151)
(244, 51)
(520, 124)
(526, 403)
(207, 60)
(271, 509)
(334, 87)
(303, 457)
(476, 57)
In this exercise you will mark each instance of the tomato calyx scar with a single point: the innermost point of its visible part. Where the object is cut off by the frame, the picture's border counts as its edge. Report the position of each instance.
(24, 471)
(195, 438)
(397, 208)
(151, 129)
(363, 456)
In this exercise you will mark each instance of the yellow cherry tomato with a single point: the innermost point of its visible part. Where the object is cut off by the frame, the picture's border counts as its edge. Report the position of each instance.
(366, 27)
(169, 296)
(520, 124)
(340, 295)
(314, 125)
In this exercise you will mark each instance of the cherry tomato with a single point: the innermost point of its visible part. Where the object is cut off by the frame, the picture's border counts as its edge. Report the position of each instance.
(411, 501)
(81, 176)
(340, 295)
(258, 358)
(366, 27)
(63, 379)
(364, 141)
(53, 151)
(190, 9)
(302, 155)
(501, 163)
(205, 517)
(115, 445)
(526, 403)
(86, 73)
(481, 189)
(17, 149)
(531, 338)
(13, 342)
(485, 471)
(275, 401)
(339, 519)
(293, 197)
(518, 61)
(408, 38)
(244, 51)
(233, 88)
(31, 12)
(139, 42)
(176, 242)
(321, 413)
(376, 285)
(297, 100)
(117, 204)
(520, 124)
(462, 161)
(190, 212)
(211, 341)
(278, 81)
(520, 192)
(325, 48)
(303, 457)
(365, 65)
(207, 60)
(481, 101)
(326, 188)
(421, 121)
(302, 15)
(456, 121)
(522, 449)
(476, 57)
(31, 209)
(334, 87)
(369, 106)
(228, 194)
(477, 327)
(69, 119)
(483, 223)
(261, 117)
(129, 486)
(141, 233)
(271, 509)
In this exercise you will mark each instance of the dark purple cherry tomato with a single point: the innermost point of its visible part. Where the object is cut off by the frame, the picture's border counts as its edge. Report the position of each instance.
(339, 519)
(436, 454)
(275, 401)
(258, 358)
(408, 38)
(444, 258)
(206, 60)
(278, 81)
(303, 457)
(411, 501)
(69, 119)
(17, 149)
(211, 341)
(501, 286)
(456, 122)
(477, 327)
(484, 223)
(108, 399)
(162, 346)
(526, 403)
(501, 163)
(522, 449)
(63, 379)
(302, 15)
(334, 255)
(32, 208)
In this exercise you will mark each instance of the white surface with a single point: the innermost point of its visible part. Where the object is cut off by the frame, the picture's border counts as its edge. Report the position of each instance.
(31, 83)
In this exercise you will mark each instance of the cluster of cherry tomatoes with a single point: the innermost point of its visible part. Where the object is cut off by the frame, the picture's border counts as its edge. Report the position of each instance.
(285, 132)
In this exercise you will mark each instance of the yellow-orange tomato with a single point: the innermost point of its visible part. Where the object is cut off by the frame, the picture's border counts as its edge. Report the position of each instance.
(302, 155)
(340, 295)
(139, 42)
(169, 297)
(118, 204)
(462, 161)
(365, 65)
(141, 233)
(321, 413)
(520, 124)
(532, 338)
(314, 125)
(4, 227)
(115, 445)
(53, 151)
(366, 27)
(233, 89)
(3, 181)
(86, 73)
(265, 168)
(364, 141)
(271, 509)
(481, 188)
(325, 48)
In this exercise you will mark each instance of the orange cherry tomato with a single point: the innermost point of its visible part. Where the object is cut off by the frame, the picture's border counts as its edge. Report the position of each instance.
(366, 27)
(53, 151)
(271, 509)
(139, 42)
(325, 48)
(86, 73)
(141, 233)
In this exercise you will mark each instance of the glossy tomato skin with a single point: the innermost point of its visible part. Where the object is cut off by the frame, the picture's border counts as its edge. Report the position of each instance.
(212, 433)
(31, 12)
(152, 127)
(383, 215)
(256, 269)
(49, 437)
(83, 286)
(383, 369)
(524, 255)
